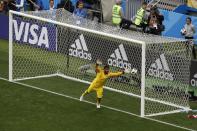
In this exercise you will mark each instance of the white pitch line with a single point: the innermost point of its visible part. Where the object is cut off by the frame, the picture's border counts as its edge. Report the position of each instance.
(111, 108)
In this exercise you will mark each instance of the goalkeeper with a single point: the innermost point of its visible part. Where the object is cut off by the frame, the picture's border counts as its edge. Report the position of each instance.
(99, 81)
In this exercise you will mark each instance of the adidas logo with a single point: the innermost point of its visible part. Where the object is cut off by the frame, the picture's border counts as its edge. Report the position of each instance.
(79, 49)
(194, 80)
(119, 58)
(160, 69)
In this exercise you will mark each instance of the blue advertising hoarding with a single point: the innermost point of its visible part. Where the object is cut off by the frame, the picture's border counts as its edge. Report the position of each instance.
(174, 22)
(4, 27)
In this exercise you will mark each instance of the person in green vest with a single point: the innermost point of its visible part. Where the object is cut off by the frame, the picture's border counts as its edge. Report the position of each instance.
(118, 17)
(139, 18)
(117, 13)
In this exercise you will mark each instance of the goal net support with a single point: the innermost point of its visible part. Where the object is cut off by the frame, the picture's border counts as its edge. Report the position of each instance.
(57, 43)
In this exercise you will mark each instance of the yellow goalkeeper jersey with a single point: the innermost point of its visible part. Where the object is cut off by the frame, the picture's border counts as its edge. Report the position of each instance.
(101, 77)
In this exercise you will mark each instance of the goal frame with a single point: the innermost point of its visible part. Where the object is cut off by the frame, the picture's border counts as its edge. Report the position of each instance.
(143, 61)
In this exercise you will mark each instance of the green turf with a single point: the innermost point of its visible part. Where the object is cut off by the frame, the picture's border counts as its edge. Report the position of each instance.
(23, 108)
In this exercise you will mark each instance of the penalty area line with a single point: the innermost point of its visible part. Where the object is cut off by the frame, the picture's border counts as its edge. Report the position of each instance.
(111, 108)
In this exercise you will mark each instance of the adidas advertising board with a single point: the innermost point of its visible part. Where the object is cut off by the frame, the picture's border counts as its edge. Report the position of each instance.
(119, 58)
(161, 69)
(193, 74)
(79, 49)
(90, 46)
(35, 34)
(194, 80)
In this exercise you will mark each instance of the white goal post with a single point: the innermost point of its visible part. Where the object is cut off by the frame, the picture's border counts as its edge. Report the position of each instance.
(56, 43)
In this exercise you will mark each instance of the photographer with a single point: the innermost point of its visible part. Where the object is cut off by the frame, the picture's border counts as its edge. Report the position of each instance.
(188, 31)
(155, 22)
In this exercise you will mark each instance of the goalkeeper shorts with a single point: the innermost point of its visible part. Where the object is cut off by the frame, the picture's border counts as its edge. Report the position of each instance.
(99, 90)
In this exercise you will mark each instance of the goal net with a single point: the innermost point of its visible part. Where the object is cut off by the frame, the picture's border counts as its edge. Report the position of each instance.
(56, 43)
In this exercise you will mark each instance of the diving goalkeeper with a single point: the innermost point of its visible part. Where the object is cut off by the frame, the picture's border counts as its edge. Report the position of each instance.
(99, 81)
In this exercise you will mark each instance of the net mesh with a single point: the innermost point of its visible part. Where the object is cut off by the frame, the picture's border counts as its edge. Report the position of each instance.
(67, 43)
(167, 76)
(31, 55)
(66, 17)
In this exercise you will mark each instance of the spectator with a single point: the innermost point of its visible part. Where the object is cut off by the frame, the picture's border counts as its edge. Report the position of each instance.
(155, 21)
(188, 31)
(118, 17)
(117, 13)
(139, 18)
(160, 19)
(67, 5)
(80, 10)
(159, 16)
(87, 3)
(2, 9)
(152, 24)
(51, 5)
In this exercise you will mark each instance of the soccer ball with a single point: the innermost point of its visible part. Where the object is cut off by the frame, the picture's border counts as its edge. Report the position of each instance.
(131, 71)
(134, 71)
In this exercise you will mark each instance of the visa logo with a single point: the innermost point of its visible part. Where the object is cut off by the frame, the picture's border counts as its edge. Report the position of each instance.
(31, 33)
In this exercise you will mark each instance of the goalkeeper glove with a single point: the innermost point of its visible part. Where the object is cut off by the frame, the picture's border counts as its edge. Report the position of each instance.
(99, 62)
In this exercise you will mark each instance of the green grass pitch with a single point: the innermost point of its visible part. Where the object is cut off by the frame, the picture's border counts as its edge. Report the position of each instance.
(23, 108)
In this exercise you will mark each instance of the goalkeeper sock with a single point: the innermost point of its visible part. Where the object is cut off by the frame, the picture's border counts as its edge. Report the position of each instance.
(85, 93)
(98, 104)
